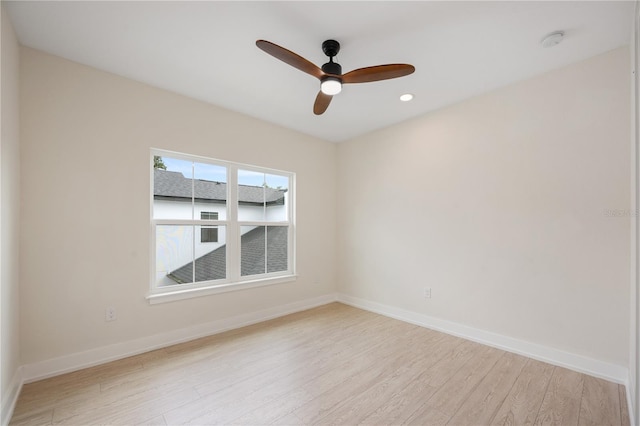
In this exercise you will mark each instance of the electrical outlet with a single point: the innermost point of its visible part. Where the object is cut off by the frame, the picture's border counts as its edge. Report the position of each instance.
(427, 293)
(110, 314)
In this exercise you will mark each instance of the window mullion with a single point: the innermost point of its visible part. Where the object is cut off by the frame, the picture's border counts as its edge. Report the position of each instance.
(190, 222)
(233, 229)
(266, 249)
(193, 227)
(291, 257)
(263, 223)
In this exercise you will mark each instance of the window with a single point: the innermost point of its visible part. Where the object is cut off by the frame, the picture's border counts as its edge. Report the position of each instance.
(218, 225)
(209, 215)
(209, 234)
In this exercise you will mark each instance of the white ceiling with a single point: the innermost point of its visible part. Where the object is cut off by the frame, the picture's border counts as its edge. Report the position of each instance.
(206, 50)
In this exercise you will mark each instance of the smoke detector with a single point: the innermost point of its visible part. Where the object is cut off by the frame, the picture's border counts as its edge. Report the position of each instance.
(552, 39)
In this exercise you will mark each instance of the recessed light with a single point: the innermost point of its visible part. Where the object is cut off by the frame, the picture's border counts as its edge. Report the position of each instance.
(406, 97)
(552, 39)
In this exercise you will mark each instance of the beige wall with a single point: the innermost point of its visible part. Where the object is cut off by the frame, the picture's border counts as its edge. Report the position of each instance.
(86, 136)
(9, 211)
(10, 207)
(498, 204)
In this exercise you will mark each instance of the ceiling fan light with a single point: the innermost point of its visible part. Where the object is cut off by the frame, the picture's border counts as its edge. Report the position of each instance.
(331, 86)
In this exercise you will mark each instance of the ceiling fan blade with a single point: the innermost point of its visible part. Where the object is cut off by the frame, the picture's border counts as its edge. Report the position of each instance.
(377, 73)
(290, 58)
(322, 103)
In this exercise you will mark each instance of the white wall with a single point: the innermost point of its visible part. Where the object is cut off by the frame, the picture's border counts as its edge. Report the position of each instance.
(498, 204)
(86, 139)
(9, 216)
(167, 209)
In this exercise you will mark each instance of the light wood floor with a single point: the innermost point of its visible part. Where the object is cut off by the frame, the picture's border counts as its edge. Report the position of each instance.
(329, 365)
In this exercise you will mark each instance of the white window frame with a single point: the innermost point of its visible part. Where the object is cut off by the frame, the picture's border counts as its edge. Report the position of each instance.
(234, 280)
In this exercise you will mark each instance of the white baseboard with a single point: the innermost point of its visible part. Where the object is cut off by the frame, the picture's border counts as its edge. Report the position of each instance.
(10, 398)
(593, 367)
(76, 361)
(630, 404)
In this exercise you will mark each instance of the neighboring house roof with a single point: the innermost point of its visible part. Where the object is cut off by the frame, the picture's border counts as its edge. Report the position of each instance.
(174, 186)
(212, 266)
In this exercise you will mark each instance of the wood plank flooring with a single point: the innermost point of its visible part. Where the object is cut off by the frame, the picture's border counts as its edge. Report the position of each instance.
(333, 365)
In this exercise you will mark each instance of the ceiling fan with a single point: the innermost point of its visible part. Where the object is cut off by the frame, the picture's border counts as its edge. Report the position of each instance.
(330, 75)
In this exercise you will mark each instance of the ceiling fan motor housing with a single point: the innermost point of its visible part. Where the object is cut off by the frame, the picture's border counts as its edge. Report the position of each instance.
(332, 68)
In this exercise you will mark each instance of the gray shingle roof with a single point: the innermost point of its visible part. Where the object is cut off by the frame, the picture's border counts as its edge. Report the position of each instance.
(253, 253)
(212, 266)
(172, 185)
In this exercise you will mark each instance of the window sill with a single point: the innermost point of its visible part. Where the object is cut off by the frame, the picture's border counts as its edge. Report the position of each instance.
(223, 288)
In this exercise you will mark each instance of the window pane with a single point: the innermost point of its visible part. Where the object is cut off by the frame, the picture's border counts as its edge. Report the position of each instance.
(263, 249)
(251, 195)
(276, 197)
(252, 250)
(211, 257)
(172, 188)
(174, 250)
(277, 248)
(210, 189)
(262, 196)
